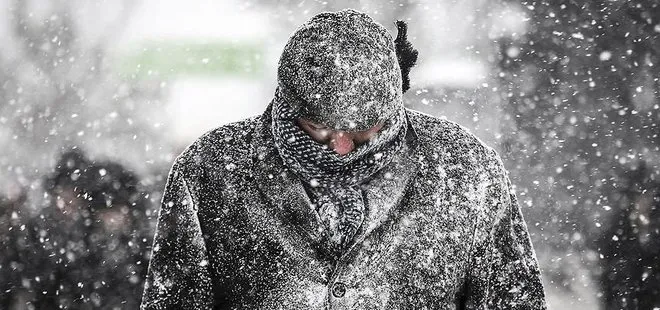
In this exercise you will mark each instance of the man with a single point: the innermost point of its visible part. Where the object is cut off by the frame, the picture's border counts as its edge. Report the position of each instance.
(338, 197)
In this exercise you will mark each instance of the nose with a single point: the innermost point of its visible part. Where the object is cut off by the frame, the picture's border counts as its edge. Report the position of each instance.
(341, 142)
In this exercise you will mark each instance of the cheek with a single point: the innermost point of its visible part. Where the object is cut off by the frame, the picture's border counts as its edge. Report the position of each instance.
(365, 136)
(319, 135)
(360, 137)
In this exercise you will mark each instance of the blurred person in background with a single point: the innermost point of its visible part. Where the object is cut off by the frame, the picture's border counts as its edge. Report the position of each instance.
(13, 244)
(338, 197)
(117, 237)
(86, 250)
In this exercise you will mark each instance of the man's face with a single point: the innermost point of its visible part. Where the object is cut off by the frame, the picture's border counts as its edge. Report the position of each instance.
(342, 142)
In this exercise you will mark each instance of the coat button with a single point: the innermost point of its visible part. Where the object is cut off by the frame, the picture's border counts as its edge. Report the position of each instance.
(338, 289)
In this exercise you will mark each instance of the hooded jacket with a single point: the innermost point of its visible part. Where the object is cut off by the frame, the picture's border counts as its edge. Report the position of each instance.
(442, 228)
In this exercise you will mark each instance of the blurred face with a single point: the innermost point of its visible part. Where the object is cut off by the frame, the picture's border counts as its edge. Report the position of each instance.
(342, 142)
(114, 220)
(69, 203)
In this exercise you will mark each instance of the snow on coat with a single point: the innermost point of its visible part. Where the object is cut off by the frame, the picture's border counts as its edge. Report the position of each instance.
(236, 230)
(440, 227)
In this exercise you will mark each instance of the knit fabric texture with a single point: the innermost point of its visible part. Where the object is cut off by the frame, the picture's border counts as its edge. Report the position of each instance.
(332, 180)
(341, 70)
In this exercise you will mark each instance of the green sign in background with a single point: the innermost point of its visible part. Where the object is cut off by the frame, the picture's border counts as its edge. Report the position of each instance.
(165, 59)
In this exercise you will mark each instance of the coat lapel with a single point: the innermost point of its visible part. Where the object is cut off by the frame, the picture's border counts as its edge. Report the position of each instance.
(283, 190)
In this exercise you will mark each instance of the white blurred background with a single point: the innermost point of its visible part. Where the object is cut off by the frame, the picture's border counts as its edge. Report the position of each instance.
(134, 82)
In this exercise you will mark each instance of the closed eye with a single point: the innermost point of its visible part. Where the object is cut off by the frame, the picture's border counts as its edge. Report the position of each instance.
(318, 127)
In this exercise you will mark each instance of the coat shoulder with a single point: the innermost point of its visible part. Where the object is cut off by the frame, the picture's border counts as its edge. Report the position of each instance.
(447, 139)
(226, 147)
(449, 154)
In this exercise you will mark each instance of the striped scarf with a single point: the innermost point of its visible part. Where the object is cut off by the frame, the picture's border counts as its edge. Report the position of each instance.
(333, 181)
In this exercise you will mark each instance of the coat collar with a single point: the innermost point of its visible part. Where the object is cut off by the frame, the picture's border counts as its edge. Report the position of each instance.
(283, 190)
(286, 194)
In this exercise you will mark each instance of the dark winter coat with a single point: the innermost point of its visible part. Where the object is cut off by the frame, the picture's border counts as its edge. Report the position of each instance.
(236, 231)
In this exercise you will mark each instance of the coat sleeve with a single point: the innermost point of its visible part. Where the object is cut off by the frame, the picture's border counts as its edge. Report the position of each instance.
(504, 272)
(177, 277)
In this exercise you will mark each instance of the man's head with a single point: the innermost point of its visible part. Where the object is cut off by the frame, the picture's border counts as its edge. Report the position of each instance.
(340, 70)
(341, 73)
